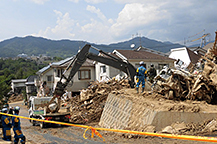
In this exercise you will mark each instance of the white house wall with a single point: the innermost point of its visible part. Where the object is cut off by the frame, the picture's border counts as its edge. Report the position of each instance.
(77, 84)
(110, 72)
(180, 53)
(99, 75)
(43, 78)
(114, 72)
(82, 84)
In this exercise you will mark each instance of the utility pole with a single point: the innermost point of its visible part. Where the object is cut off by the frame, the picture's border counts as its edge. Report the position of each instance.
(140, 38)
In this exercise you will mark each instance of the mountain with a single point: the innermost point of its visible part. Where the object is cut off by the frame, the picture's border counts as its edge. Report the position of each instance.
(66, 48)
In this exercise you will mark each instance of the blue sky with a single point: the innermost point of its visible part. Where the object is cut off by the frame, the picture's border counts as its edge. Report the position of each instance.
(108, 21)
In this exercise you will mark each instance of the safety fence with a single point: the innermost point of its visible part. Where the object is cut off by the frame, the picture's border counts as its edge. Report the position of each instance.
(95, 131)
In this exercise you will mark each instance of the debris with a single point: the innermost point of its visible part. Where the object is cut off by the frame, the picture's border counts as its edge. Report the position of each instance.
(211, 126)
(183, 85)
(169, 130)
(89, 106)
(176, 91)
(15, 98)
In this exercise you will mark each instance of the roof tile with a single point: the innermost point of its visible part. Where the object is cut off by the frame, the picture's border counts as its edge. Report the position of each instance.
(132, 54)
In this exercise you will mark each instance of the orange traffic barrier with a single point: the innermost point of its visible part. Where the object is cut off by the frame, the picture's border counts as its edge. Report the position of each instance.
(94, 131)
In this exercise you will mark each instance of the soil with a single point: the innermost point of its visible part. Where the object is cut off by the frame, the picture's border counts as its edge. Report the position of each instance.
(159, 102)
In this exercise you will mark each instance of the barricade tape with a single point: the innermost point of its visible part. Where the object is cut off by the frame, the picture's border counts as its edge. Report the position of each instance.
(94, 131)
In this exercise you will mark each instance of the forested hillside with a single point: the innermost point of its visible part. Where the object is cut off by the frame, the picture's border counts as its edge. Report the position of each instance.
(15, 69)
(66, 48)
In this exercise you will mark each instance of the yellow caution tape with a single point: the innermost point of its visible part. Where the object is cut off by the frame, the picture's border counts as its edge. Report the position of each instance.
(94, 131)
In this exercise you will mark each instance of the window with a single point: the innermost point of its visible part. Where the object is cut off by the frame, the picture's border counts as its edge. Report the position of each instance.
(60, 72)
(49, 78)
(102, 69)
(84, 74)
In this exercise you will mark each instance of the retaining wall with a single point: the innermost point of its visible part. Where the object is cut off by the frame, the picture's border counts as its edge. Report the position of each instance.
(120, 113)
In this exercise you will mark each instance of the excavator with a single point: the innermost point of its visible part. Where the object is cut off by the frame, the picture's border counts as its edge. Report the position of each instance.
(77, 62)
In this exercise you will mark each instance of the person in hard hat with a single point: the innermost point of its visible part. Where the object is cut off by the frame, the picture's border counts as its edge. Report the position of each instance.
(10, 111)
(141, 76)
(152, 73)
(17, 128)
(6, 126)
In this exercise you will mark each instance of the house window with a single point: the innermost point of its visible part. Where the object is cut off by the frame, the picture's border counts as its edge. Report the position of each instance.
(102, 69)
(49, 78)
(60, 72)
(84, 74)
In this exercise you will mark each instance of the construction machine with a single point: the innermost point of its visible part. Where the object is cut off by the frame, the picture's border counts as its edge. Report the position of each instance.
(77, 62)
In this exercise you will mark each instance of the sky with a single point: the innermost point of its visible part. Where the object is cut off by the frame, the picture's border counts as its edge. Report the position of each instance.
(109, 21)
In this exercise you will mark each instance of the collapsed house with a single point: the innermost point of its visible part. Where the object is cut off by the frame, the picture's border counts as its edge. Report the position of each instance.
(199, 83)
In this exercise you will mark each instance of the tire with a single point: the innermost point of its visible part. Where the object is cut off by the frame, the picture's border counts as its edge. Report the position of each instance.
(30, 117)
(42, 124)
(33, 123)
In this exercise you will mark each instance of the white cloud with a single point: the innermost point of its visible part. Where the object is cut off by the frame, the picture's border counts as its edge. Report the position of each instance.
(136, 15)
(161, 20)
(98, 31)
(95, 1)
(98, 12)
(39, 1)
(63, 28)
(67, 28)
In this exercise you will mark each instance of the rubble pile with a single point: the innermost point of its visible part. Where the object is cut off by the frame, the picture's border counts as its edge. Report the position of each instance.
(89, 106)
(191, 128)
(182, 85)
(15, 98)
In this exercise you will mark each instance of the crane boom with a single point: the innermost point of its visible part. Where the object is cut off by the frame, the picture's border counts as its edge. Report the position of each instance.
(200, 37)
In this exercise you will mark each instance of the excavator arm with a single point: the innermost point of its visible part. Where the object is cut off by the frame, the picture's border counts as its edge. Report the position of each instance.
(77, 62)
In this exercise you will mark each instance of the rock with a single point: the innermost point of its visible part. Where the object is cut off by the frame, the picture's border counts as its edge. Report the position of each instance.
(179, 126)
(169, 130)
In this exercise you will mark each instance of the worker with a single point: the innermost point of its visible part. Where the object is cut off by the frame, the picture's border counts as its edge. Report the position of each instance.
(6, 126)
(17, 128)
(141, 76)
(10, 111)
(152, 73)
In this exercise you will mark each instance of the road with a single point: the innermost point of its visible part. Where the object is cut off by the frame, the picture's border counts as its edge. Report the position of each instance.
(58, 134)
(74, 135)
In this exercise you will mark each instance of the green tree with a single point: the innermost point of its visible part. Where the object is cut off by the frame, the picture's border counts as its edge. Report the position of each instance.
(15, 69)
